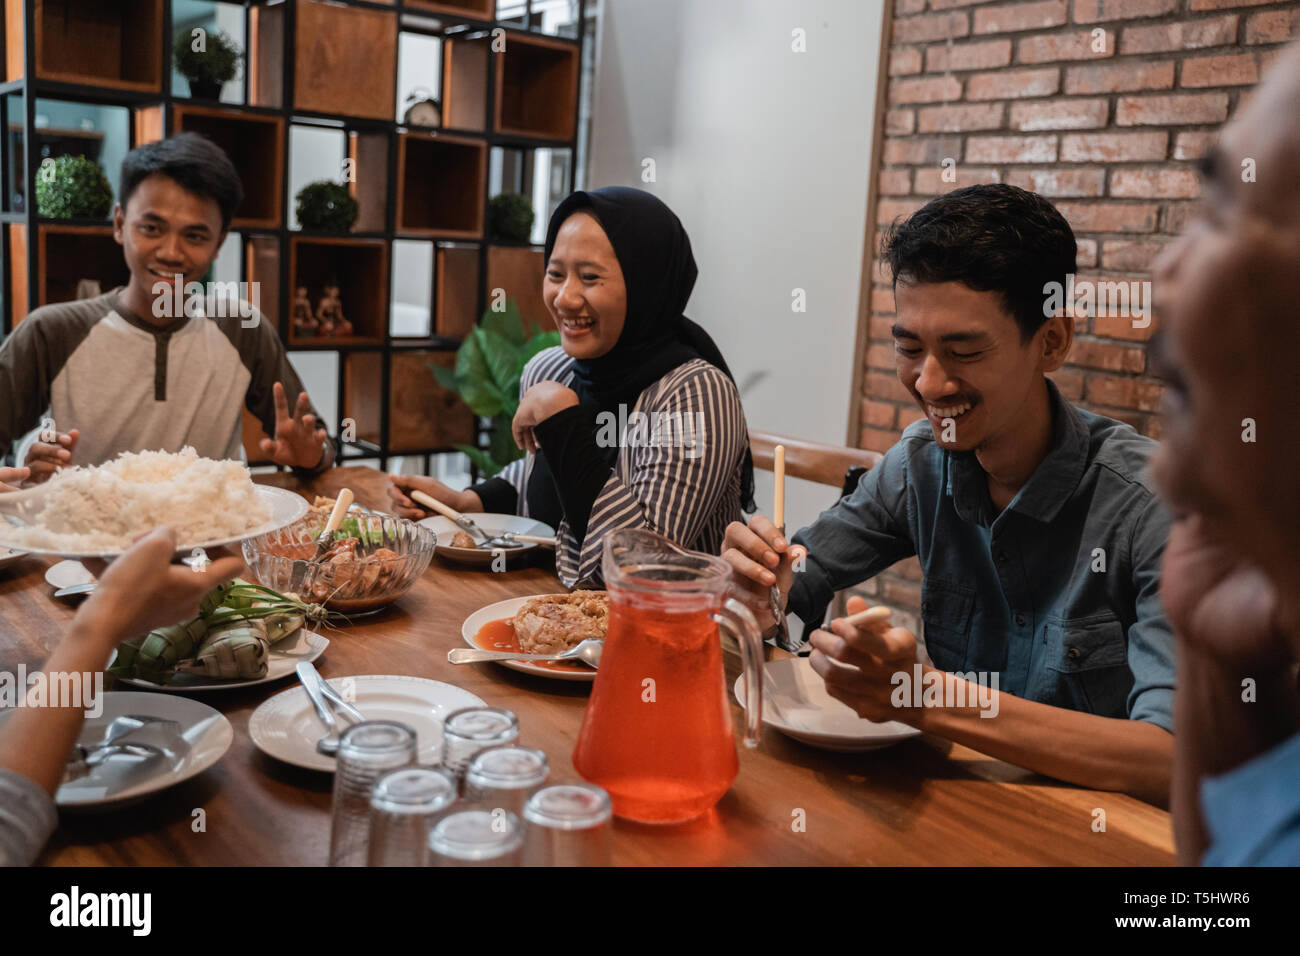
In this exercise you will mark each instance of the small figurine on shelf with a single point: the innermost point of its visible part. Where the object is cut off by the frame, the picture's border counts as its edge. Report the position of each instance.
(330, 312)
(304, 323)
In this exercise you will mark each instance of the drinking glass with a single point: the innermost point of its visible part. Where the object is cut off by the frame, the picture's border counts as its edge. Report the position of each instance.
(476, 838)
(505, 776)
(568, 825)
(404, 806)
(367, 751)
(471, 729)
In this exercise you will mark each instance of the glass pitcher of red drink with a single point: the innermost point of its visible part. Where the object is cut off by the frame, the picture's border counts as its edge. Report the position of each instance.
(657, 731)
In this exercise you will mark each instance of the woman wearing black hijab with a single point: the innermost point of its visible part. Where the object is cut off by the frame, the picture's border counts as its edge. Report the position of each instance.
(634, 421)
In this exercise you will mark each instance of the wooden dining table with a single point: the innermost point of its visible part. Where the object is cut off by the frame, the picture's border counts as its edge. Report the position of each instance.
(924, 802)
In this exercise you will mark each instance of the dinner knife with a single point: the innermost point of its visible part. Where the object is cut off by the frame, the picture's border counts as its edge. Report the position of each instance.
(306, 670)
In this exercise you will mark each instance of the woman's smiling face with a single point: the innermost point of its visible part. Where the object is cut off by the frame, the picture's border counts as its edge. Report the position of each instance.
(584, 288)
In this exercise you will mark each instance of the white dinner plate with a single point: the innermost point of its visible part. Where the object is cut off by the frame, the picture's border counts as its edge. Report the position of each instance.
(66, 574)
(207, 733)
(285, 508)
(796, 703)
(301, 645)
(9, 556)
(490, 524)
(286, 726)
(507, 608)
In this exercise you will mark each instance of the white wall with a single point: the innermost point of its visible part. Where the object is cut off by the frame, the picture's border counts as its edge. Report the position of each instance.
(764, 154)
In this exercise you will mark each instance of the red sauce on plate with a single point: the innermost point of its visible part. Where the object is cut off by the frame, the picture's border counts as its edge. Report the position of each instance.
(500, 636)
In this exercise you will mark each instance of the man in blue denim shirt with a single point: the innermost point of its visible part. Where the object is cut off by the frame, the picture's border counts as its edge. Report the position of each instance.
(1037, 529)
(1228, 461)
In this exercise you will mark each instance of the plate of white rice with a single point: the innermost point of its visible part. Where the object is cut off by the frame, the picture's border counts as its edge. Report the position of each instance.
(99, 511)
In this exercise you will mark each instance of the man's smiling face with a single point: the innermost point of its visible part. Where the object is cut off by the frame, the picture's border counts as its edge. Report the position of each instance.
(1227, 296)
(959, 352)
(166, 230)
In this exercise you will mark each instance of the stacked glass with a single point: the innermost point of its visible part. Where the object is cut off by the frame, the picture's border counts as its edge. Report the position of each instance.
(505, 776)
(404, 807)
(367, 751)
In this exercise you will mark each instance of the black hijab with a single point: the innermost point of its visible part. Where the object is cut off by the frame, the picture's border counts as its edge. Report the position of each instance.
(659, 271)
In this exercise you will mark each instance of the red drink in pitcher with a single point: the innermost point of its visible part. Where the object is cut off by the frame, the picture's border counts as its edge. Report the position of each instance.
(657, 731)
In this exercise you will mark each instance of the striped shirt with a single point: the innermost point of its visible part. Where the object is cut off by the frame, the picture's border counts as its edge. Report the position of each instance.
(27, 818)
(681, 450)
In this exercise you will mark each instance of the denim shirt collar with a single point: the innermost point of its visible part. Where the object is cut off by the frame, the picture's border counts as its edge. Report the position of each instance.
(1048, 488)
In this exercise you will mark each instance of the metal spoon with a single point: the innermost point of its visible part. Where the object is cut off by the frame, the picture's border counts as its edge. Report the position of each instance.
(588, 652)
(327, 746)
(447, 511)
(510, 539)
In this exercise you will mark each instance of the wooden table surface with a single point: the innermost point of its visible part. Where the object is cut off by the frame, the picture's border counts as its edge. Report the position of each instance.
(922, 802)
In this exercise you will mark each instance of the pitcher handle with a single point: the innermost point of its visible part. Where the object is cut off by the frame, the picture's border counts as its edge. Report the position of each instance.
(739, 622)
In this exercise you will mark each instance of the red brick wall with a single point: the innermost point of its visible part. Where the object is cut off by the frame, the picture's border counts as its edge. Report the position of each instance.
(1014, 92)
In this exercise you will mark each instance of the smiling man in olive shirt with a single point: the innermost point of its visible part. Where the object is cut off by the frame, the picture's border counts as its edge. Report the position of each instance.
(1036, 525)
(124, 372)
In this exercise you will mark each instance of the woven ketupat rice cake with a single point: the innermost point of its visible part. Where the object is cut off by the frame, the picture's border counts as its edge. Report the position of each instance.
(552, 624)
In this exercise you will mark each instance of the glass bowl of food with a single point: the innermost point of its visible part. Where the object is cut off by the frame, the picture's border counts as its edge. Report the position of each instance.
(373, 561)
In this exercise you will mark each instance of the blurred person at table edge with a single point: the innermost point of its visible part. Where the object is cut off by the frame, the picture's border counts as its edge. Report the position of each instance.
(619, 271)
(138, 592)
(1036, 524)
(115, 375)
(1226, 296)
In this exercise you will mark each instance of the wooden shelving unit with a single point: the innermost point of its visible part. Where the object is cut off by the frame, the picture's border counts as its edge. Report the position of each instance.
(518, 270)
(65, 255)
(477, 9)
(440, 183)
(326, 65)
(360, 267)
(457, 284)
(91, 42)
(340, 54)
(537, 78)
(253, 141)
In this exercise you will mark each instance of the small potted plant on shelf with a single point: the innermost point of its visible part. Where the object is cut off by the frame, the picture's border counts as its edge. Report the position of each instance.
(326, 207)
(510, 217)
(207, 60)
(72, 187)
(486, 376)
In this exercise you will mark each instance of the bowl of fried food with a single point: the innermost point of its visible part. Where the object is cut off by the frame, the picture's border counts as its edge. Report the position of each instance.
(373, 560)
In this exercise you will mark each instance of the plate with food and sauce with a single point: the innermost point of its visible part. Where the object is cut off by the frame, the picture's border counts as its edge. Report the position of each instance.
(459, 545)
(541, 624)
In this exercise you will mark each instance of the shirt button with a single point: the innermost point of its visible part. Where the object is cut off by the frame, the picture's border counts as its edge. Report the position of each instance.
(1002, 557)
(1020, 620)
(1072, 653)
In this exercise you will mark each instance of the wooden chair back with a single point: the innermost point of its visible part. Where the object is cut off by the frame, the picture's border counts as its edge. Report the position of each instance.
(832, 465)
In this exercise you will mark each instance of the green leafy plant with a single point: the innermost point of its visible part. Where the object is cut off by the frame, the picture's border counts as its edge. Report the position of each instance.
(216, 63)
(489, 364)
(510, 217)
(72, 187)
(326, 207)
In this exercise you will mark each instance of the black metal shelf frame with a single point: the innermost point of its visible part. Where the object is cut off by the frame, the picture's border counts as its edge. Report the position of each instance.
(408, 19)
